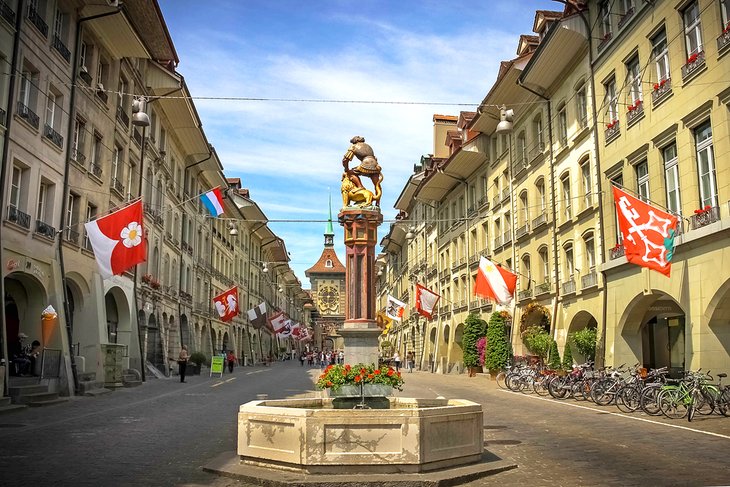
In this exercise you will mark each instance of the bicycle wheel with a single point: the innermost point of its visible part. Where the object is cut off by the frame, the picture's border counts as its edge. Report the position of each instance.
(501, 379)
(724, 402)
(557, 388)
(605, 393)
(649, 400)
(628, 399)
(672, 404)
(540, 386)
(694, 404)
(514, 382)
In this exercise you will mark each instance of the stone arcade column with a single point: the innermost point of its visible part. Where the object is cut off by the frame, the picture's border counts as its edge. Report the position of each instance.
(360, 332)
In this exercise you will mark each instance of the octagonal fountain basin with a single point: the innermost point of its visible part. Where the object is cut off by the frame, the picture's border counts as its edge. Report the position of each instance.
(310, 436)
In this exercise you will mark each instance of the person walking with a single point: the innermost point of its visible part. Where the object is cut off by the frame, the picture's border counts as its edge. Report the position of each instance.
(231, 359)
(410, 358)
(182, 362)
(396, 360)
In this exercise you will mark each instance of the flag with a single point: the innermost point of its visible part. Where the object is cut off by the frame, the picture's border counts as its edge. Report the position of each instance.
(118, 240)
(227, 304)
(285, 331)
(494, 282)
(382, 320)
(304, 335)
(395, 309)
(426, 300)
(257, 315)
(296, 331)
(278, 321)
(213, 200)
(648, 232)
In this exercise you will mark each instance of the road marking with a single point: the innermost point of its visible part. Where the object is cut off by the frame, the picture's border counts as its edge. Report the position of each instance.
(621, 415)
(257, 371)
(229, 380)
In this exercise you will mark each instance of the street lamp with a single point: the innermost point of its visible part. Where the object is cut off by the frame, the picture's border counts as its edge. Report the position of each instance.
(139, 116)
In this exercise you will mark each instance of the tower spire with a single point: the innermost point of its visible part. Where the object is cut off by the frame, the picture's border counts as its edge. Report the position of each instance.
(329, 232)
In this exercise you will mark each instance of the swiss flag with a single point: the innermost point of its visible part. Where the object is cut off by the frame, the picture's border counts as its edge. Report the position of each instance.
(227, 304)
(494, 282)
(118, 240)
(648, 232)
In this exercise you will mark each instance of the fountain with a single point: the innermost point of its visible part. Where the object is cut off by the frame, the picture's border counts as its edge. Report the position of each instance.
(309, 441)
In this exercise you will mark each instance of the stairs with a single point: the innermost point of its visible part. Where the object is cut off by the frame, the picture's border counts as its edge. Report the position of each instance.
(131, 378)
(29, 392)
(6, 406)
(89, 386)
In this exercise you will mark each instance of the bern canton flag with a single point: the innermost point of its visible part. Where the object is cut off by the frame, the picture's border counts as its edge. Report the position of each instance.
(118, 240)
(213, 200)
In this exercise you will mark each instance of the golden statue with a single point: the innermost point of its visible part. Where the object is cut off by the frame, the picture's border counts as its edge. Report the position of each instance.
(368, 167)
(351, 193)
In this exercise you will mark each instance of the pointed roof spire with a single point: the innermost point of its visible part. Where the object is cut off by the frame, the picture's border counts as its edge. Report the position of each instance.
(329, 230)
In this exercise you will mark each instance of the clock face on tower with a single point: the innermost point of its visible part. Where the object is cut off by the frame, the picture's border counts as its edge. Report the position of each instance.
(328, 298)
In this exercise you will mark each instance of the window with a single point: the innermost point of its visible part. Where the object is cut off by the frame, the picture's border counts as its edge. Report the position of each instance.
(53, 110)
(590, 257)
(83, 55)
(59, 28)
(626, 7)
(544, 264)
(619, 182)
(79, 136)
(562, 125)
(328, 263)
(725, 13)
(581, 106)
(102, 73)
(565, 183)
(540, 185)
(525, 271)
(585, 176)
(71, 219)
(539, 136)
(605, 19)
(660, 54)
(671, 178)
(706, 165)
(96, 151)
(90, 215)
(116, 163)
(611, 101)
(17, 186)
(42, 211)
(642, 180)
(569, 262)
(692, 29)
(524, 209)
(28, 93)
(633, 81)
(521, 149)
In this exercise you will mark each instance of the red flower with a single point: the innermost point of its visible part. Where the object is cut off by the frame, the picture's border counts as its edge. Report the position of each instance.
(692, 58)
(358, 378)
(377, 372)
(370, 376)
(664, 81)
(637, 103)
(656, 86)
(398, 374)
(362, 371)
(329, 384)
(390, 372)
(347, 367)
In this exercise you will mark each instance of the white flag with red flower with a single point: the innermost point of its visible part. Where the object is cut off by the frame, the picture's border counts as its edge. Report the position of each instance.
(118, 240)
(426, 300)
(494, 282)
(278, 322)
(227, 304)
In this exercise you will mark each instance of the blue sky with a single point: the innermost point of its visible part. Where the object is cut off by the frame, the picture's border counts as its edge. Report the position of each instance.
(289, 153)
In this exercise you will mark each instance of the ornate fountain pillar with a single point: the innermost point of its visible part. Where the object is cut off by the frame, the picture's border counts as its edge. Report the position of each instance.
(360, 331)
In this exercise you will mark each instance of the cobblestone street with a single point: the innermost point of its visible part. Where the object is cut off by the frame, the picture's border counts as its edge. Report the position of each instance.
(162, 433)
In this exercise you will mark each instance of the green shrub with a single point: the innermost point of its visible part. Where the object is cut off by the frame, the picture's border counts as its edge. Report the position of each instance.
(499, 350)
(554, 356)
(199, 358)
(537, 340)
(585, 342)
(474, 329)
(567, 357)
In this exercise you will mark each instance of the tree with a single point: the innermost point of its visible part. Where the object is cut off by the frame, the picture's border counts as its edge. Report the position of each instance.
(567, 357)
(554, 356)
(537, 340)
(499, 350)
(474, 329)
(585, 342)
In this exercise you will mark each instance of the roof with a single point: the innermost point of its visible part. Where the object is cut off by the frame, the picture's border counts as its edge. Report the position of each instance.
(444, 118)
(319, 268)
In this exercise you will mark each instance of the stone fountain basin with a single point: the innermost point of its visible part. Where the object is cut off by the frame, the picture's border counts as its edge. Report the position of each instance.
(308, 435)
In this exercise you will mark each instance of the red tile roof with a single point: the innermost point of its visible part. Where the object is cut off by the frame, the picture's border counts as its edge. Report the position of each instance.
(320, 268)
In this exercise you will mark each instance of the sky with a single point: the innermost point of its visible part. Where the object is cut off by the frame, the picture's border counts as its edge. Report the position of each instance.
(416, 58)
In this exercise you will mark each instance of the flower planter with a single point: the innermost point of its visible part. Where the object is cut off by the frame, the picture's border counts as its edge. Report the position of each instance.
(369, 390)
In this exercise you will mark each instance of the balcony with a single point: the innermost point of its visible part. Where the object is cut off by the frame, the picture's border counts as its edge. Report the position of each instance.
(85, 77)
(101, 94)
(474, 258)
(542, 288)
(71, 236)
(694, 64)
(569, 287)
(522, 231)
(53, 136)
(78, 156)
(613, 130)
(460, 305)
(122, 116)
(137, 136)
(18, 217)
(589, 280)
(28, 115)
(44, 229)
(524, 294)
(59, 46)
(537, 150)
(95, 169)
(498, 242)
(703, 218)
(507, 237)
(540, 220)
(7, 13)
(496, 201)
(474, 304)
(636, 111)
(616, 252)
(483, 201)
(443, 274)
(625, 17)
(604, 41)
(471, 211)
(505, 194)
(118, 186)
(723, 41)
(36, 20)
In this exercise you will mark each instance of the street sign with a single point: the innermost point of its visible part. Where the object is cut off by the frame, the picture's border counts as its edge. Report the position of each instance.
(216, 365)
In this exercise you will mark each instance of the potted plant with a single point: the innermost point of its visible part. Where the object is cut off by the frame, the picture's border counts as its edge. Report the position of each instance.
(585, 341)
(359, 381)
(195, 362)
(537, 340)
(474, 329)
(498, 353)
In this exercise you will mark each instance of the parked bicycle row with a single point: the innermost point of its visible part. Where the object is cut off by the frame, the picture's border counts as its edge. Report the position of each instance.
(630, 389)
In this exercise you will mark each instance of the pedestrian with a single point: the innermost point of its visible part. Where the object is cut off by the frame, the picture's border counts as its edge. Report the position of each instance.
(301, 359)
(231, 358)
(342, 357)
(410, 359)
(396, 360)
(182, 362)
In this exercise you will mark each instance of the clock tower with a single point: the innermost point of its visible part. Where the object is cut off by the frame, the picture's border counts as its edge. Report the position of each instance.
(327, 280)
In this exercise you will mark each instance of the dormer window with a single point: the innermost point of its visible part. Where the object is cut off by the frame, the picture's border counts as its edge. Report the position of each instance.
(328, 263)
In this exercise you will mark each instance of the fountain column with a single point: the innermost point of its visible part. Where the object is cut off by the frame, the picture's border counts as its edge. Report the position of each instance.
(360, 331)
